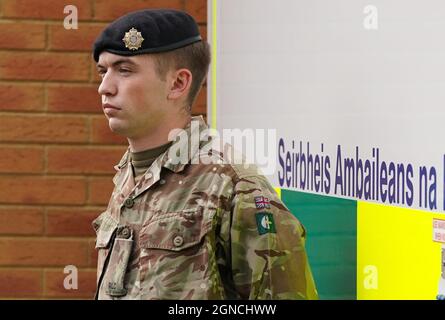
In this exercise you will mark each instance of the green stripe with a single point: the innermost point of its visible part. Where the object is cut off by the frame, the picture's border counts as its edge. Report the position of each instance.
(331, 241)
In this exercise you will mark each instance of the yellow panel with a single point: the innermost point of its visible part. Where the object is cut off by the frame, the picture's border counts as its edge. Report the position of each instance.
(278, 191)
(395, 244)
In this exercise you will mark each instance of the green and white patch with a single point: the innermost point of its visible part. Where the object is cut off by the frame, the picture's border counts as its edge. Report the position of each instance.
(265, 222)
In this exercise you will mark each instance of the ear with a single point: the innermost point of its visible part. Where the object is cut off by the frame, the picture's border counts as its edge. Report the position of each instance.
(181, 81)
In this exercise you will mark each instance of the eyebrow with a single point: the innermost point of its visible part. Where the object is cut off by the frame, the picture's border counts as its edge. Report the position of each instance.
(117, 63)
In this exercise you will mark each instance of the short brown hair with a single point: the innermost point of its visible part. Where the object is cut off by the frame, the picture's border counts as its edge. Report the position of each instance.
(194, 57)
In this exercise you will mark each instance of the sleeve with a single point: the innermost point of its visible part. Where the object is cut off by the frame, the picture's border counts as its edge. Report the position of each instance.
(269, 259)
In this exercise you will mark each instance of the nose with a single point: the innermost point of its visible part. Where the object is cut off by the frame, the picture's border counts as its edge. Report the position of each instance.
(107, 87)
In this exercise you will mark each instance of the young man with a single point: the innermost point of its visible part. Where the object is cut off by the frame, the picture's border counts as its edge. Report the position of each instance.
(182, 223)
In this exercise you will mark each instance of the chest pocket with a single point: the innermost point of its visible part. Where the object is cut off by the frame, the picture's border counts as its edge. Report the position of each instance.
(104, 226)
(177, 231)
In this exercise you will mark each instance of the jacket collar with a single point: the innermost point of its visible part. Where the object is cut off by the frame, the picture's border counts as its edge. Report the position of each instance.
(186, 140)
(185, 146)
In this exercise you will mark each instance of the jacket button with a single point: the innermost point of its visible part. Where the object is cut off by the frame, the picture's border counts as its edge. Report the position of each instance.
(129, 203)
(178, 241)
(125, 233)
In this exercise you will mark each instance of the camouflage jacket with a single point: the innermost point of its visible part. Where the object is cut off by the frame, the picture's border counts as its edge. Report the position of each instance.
(199, 230)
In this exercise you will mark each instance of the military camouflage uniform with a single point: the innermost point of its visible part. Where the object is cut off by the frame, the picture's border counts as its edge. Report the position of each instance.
(199, 231)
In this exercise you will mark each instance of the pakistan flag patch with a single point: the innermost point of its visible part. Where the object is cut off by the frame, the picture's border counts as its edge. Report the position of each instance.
(265, 223)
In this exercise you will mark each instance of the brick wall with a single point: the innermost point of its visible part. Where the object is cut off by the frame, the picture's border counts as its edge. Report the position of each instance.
(57, 153)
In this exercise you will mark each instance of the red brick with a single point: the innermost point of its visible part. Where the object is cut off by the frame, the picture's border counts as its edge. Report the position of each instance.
(83, 160)
(100, 190)
(41, 128)
(81, 39)
(21, 159)
(44, 66)
(200, 105)
(19, 221)
(22, 35)
(21, 97)
(197, 9)
(203, 31)
(86, 285)
(44, 9)
(70, 222)
(74, 98)
(112, 9)
(92, 253)
(20, 283)
(42, 190)
(43, 252)
(101, 133)
(94, 77)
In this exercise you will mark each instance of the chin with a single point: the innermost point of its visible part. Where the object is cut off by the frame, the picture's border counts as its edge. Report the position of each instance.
(117, 127)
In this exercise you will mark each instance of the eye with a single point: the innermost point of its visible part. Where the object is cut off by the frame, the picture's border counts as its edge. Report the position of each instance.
(124, 70)
(101, 72)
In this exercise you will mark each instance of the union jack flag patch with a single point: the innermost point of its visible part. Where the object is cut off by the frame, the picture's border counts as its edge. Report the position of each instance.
(262, 202)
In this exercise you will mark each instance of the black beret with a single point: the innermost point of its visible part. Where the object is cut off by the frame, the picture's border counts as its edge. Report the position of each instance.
(147, 31)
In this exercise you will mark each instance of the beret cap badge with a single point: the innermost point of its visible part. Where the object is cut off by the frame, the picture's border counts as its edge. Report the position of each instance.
(133, 39)
(163, 29)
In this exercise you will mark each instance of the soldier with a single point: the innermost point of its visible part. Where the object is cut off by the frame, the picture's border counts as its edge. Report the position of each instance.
(182, 222)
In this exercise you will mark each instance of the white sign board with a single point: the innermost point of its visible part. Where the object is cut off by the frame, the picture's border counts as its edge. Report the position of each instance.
(354, 92)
